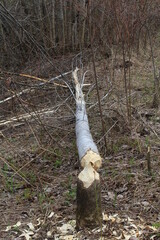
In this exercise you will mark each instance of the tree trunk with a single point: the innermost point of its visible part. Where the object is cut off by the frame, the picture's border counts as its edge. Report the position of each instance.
(89, 213)
(156, 94)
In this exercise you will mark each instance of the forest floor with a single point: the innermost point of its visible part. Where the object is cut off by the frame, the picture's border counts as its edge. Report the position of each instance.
(39, 160)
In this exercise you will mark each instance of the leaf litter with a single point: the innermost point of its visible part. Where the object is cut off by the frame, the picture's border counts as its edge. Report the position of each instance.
(120, 228)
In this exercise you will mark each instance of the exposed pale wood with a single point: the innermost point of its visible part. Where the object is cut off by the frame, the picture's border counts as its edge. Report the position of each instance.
(93, 158)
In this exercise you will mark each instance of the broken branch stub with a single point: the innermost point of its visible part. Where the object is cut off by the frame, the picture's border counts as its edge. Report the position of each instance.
(89, 213)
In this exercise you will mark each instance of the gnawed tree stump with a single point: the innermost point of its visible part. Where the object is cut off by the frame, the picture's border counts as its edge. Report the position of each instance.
(89, 213)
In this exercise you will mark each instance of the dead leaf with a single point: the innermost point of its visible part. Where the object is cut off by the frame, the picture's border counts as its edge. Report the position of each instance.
(111, 195)
(49, 234)
(30, 225)
(65, 228)
(51, 215)
(27, 234)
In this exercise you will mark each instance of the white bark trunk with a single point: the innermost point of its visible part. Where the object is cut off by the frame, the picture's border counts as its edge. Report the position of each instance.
(87, 149)
(89, 212)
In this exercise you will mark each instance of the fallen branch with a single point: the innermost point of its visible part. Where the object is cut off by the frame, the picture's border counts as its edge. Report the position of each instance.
(25, 116)
(16, 95)
(40, 79)
(44, 81)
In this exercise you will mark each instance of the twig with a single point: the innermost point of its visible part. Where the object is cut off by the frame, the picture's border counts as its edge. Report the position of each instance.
(149, 160)
(148, 125)
(106, 95)
(16, 95)
(107, 132)
(26, 116)
(16, 171)
(26, 164)
(32, 90)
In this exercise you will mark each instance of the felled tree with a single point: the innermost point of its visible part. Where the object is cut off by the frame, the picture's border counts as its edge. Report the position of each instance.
(89, 213)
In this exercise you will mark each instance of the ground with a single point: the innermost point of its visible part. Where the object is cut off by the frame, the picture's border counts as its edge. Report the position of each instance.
(39, 160)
